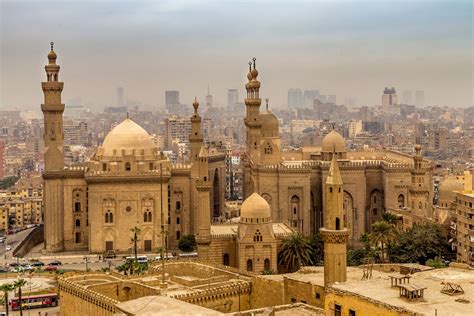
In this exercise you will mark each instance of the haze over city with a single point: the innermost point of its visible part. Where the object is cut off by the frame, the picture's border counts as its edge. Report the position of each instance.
(352, 49)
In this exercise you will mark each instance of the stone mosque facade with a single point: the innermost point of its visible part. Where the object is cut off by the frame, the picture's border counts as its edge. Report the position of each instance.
(291, 181)
(127, 183)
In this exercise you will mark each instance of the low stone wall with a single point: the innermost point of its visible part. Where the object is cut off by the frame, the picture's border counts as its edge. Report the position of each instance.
(288, 308)
(35, 237)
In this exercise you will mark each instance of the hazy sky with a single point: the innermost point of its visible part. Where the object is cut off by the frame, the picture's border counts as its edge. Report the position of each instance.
(347, 48)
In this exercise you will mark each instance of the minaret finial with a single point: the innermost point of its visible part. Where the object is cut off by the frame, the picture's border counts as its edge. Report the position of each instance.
(128, 115)
(266, 100)
(52, 45)
(195, 105)
(333, 125)
(254, 59)
(250, 66)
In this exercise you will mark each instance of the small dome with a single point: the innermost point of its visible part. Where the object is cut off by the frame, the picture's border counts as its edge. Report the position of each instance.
(254, 73)
(269, 124)
(52, 56)
(448, 185)
(255, 206)
(129, 136)
(334, 142)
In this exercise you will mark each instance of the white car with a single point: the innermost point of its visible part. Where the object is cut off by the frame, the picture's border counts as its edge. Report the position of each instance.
(8, 248)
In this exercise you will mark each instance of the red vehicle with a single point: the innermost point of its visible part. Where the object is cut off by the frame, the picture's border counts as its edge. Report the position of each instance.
(35, 301)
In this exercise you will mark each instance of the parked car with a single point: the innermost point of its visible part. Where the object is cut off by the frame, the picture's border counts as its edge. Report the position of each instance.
(37, 264)
(8, 248)
(51, 268)
(14, 264)
(3, 270)
(110, 254)
(55, 263)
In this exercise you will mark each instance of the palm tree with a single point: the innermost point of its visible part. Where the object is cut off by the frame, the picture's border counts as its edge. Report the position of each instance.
(18, 284)
(383, 233)
(5, 288)
(136, 231)
(295, 252)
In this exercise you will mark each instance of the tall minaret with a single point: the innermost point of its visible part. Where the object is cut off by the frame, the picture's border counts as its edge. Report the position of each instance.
(195, 138)
(334, 233)
(53, 116)
(203, 186)
(53, 158)
(419, 190)
(252, 119)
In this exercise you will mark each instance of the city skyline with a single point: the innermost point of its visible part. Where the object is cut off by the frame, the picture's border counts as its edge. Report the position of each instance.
(151, 47)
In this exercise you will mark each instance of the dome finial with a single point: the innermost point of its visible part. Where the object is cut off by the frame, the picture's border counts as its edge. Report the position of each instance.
(195, 105)
(52, 45)
(266, 100)
(254, 59)
(250, 66)
(128, 116)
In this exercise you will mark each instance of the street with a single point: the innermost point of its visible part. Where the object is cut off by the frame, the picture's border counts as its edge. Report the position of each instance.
(12, 240)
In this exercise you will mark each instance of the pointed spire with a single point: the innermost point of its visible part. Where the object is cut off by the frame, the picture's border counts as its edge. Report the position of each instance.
(203, 152)
(334, 175)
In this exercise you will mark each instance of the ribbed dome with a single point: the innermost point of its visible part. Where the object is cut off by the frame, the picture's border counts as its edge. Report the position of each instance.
(129, 136)
(448, 185)
(334, 142)
(255, 207)
(269, 124)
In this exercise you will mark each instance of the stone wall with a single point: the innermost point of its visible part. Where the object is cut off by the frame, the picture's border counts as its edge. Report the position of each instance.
(303, 292)
(266, 292)
(35, 237)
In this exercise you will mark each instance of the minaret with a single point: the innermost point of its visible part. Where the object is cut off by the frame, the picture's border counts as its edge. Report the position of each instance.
(334, 233)
(53, 158)
(203, 186)
(53, 116)
(252, 119)
(195, 139)
(419, 191)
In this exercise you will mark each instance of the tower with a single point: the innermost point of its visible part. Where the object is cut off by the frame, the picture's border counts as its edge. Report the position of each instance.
(252, 120)
(195, 138)
(334, 233)
(419, 190)
(53, 157)
(53, 115)
(270, 138)
(203, 186)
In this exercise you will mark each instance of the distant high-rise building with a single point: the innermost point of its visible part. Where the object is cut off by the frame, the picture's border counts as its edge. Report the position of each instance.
(119, 96)
(295, 98)
(177, 129)
(407, 97)
(420, 98)
(208, 98)
(309, 96)
(1, 159)
(389, 98)
(349, 102)
(323, 98)
(171, 99)
(232, 98)
(332, 98)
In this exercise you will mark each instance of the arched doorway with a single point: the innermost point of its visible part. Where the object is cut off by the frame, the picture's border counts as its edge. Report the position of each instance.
(401, 201)
(226, 259)
(249, 265)
(266, 264)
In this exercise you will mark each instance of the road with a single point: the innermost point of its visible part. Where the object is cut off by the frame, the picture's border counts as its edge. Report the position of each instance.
(12, 240)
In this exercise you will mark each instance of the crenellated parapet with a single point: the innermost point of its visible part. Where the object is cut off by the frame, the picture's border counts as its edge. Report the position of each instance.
(217, 293)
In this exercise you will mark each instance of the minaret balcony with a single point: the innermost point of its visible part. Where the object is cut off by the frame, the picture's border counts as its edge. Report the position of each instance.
(334, 236)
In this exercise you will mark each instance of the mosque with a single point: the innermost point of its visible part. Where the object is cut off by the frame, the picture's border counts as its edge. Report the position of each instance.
(128, 183)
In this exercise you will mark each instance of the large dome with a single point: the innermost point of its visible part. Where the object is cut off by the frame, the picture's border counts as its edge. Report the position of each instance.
(334, 142)
(255, 207)
(269, 124)
(447, 186)
(128, 136)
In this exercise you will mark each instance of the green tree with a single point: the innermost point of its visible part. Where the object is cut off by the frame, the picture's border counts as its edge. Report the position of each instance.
(296, 251)
(187, 243)
(420, 243)
(6, 288)
(383, 234)
(18, 284)
(135, 239)
(390, 218)
(317, 246)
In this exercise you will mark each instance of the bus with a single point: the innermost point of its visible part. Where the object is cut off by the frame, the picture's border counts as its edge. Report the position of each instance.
(140, 259)
(35, 301)
(188, 255)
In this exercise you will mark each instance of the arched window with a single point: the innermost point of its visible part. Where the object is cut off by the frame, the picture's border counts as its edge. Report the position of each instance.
(127, 166)
(249, 265)
(147, 216)
(266, 264)
(401, 201)
(226, 259)
(268, 149)
(295, 205)
(338, 223)
(78, 223)
(258, 236)
(177, 220)
(420, 205)
(111, 217)
(106, 217)
(178, 235)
